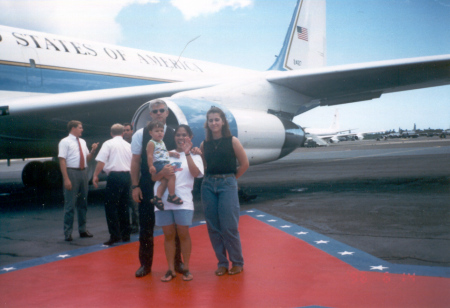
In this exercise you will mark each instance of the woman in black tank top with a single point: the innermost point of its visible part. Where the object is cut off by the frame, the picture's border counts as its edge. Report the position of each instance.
(225, 160)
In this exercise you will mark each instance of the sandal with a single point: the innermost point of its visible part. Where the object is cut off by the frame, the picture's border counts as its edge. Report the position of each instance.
(174, 199)
(187, 276)
(158, 203)
(168, 276)
(221, 271)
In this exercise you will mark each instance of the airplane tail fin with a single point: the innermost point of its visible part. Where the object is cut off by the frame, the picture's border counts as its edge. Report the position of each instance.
(335, 125)
(305, 42)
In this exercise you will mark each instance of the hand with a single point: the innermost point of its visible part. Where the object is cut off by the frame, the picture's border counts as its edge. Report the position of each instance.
(95, 181)
(67, 184)
(137, 194)
(187, 145)
(94, 147)
(152, 170)
(196, 151)
(167, 171)
(174, 154)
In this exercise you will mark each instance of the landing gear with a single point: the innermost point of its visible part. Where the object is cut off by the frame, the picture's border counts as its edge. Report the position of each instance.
(32, 173)
(42, 175)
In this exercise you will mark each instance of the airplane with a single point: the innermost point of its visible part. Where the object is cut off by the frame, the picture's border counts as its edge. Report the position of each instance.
(324, 136)
(47, 80)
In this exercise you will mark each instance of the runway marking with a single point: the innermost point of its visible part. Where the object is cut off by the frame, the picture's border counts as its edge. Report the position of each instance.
(379, 155)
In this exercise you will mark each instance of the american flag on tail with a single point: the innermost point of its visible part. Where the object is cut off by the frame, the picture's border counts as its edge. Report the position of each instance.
(302, 33)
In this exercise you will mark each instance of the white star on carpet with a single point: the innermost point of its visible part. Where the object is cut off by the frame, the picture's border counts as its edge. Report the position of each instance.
(7, 269)
(346, 253)
(301, 233)
(63, 256)
(321, 242)
(379, 267)
(272, 220)
(285, 226)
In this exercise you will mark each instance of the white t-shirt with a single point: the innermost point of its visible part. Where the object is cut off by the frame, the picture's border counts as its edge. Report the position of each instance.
(184, 182)
(116, 154)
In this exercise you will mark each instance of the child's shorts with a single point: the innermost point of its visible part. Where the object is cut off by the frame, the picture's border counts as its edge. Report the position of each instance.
(159, 165)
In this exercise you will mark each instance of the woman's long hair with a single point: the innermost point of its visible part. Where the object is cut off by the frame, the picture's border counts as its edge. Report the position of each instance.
(225, 128)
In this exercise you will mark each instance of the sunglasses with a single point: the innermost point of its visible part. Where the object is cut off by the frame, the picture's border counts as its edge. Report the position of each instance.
(162, 110)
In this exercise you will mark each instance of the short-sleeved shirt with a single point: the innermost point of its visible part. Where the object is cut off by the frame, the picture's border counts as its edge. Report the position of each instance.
(184, 182)
(69, 149)
(116, 154)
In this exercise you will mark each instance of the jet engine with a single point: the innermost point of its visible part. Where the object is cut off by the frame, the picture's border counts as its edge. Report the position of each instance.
(264, 136)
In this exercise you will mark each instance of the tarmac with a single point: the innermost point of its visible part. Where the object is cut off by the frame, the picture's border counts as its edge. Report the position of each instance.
(387, 198)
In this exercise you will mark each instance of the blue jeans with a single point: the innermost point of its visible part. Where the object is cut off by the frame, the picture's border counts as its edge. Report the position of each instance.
(221, 205)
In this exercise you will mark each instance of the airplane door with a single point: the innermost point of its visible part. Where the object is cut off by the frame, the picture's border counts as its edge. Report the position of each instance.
(34, 74)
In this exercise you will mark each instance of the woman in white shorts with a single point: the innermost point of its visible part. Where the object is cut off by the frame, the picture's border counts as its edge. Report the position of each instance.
(177, 218)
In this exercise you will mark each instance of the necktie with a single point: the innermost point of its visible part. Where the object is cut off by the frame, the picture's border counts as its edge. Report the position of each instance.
(81, 155)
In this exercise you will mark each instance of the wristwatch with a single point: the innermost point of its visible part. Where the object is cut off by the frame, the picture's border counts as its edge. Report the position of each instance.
(134, 186)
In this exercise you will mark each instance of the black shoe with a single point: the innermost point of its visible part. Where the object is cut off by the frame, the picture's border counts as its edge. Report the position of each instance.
(126, 239)
(69, 238)
(143, 271)
(110, 242)
(179, 267)
(86, 234)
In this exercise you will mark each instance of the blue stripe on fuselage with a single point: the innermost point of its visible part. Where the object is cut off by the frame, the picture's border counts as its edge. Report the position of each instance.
(26, 79)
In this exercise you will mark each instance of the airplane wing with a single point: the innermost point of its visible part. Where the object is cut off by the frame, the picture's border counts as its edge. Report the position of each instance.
(364, 81)
(48, 114)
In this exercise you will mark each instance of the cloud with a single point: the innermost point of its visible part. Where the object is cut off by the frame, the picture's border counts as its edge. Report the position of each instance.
(194, 8)
(94, 19)
(88, 19)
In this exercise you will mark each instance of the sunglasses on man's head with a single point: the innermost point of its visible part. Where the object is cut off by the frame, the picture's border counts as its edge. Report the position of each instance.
(162, 110)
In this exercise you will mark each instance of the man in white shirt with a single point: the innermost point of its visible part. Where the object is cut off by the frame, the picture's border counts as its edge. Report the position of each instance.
(73, 157)
(115, 159)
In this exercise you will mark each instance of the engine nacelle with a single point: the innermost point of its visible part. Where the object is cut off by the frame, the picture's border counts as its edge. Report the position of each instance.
(265, 137)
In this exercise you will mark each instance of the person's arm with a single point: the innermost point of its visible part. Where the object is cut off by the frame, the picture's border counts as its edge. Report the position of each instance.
(98, 169)
(165, 172)
(241, 157)
(187, 146)
(63, 167)
(92, 152)
(203, 155)
(150, 150)
(135, 171)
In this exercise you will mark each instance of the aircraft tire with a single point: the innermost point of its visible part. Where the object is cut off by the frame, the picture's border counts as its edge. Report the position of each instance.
(32, 174)
(52, 177)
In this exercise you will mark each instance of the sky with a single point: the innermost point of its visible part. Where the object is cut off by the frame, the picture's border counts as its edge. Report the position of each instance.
(249, 33)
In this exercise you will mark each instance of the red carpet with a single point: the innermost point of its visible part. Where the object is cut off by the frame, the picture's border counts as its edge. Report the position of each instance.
(281, 270)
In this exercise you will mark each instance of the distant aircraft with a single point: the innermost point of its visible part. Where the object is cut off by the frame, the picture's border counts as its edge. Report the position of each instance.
(47, 80)
(333, 134)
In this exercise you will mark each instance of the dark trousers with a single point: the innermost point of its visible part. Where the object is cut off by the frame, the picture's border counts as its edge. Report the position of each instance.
(147, 225)
(117, 194)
